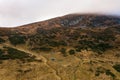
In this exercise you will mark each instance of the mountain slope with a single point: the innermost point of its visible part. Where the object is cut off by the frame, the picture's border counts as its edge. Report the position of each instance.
(72, 20)
(72, 47)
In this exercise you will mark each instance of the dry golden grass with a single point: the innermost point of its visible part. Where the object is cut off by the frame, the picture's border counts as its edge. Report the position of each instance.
(55, 66)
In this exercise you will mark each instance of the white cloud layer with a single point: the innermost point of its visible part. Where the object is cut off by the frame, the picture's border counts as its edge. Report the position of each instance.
(19, 12)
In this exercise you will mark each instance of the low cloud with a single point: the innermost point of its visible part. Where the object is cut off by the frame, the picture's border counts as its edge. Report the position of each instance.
(19, 12)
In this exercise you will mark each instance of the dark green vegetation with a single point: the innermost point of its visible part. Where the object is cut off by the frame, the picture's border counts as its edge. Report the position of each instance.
(71, 52)
(101, 70)
(97, 33)
(109, 73)
(11, 53)
(73, 47)
(98, 40)
(63, 51)
(42, 49)
(117, 67)
(1, 52)
(2, 40)
(17, 39)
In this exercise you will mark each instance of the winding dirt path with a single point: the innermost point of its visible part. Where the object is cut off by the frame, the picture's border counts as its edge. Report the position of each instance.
(38, 56)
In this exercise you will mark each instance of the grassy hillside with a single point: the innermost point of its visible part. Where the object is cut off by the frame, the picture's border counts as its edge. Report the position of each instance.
(72, 47)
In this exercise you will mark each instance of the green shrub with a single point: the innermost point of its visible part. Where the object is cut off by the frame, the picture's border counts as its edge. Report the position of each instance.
(78, 48)
(100, 47)
(2, 40)
(15, 54)
(42, 48)
(1, 51)
(117, 67)
(71, 52)
(108, 72)
(53, 43)
(16, 39)
(62, 43)
(63, 51)
(45, 48)
(99, 70)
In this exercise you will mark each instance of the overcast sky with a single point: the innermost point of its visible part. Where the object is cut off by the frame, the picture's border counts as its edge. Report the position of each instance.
(19, 12)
